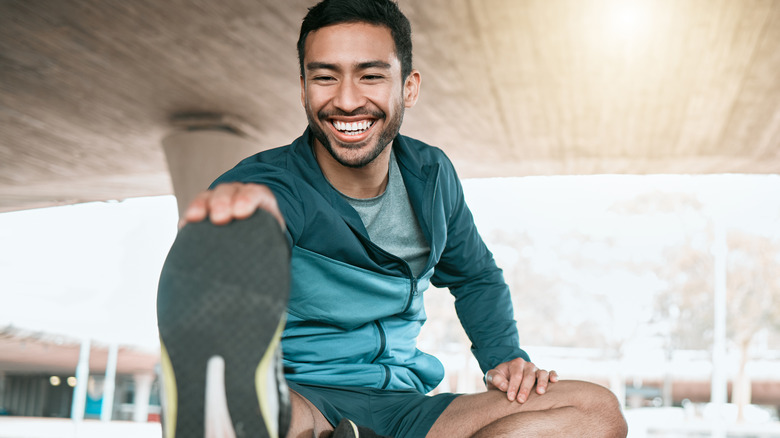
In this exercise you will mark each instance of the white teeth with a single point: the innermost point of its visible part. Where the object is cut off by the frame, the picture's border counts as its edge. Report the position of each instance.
(352, 127)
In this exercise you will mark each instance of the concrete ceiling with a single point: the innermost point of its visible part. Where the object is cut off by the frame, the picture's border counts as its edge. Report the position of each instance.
(510, 87)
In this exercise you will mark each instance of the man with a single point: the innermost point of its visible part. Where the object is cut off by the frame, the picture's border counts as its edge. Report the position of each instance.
(369, 219)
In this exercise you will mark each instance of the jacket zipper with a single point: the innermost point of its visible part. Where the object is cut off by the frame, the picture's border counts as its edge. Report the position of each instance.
(382, 346)
(382, 341)
(413, 292)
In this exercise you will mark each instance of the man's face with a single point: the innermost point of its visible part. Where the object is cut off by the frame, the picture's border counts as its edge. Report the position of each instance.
(353, 92)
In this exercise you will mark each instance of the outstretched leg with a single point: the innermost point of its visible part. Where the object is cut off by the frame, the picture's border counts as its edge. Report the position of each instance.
(221, 303)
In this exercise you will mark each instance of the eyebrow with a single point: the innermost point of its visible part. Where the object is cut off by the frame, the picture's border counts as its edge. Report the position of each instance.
(373, 64)
(360, 66)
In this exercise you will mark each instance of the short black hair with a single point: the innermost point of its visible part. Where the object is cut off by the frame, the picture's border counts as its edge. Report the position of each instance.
(377, 12)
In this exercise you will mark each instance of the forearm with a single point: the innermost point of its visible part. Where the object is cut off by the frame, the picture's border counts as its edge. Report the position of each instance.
(487, 316)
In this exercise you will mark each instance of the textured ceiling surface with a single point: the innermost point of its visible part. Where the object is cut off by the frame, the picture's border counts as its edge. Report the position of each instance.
(510, 87)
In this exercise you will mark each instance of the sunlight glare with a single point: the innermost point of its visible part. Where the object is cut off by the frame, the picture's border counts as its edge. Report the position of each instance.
(628, 18)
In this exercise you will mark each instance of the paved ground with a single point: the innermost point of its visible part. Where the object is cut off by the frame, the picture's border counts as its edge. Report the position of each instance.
(673, 423)
(643, 423)
(25, 427)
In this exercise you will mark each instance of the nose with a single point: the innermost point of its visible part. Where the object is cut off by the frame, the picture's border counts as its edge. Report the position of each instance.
(348, 97)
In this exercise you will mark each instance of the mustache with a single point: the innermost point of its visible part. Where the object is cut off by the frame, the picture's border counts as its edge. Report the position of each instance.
(376, 114)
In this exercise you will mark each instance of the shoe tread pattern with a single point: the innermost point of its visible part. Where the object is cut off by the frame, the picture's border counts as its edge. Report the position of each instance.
(223, 291)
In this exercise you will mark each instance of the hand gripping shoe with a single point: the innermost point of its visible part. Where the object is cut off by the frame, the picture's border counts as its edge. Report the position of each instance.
(221, 304)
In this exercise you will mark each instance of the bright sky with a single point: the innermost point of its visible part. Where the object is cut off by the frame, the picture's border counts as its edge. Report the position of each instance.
(91, 270)
(87, 270)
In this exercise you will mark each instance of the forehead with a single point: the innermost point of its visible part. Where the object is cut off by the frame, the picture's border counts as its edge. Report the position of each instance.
(350, 43)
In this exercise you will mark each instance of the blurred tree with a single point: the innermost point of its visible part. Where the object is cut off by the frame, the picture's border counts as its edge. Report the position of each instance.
(581, 301)
(684, 312)
(535, 296)
(754, 300)
(578, 295)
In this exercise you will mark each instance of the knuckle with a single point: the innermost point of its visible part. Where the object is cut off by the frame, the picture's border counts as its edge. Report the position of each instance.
(243, 197)
(254, 189)
(218, 199)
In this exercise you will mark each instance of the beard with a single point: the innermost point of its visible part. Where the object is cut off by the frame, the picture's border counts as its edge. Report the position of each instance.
(388, 133)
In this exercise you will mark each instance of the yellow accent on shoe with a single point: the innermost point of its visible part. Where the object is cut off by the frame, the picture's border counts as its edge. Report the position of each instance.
(170, 396)
(261, 382)
(354, 428)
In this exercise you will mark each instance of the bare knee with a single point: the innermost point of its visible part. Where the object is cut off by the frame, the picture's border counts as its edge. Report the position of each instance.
(307, 421)
(600, 404)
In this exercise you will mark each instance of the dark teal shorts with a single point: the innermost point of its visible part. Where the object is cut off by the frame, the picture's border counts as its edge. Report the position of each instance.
(395, 413)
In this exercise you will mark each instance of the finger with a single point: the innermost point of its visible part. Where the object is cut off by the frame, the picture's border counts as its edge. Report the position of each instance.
(253, 196)
(542, 379)
(515, 380)
(197, 210)
(246, 199)
(529, 379)
(494, 379)
(220, 203)
(553, 376)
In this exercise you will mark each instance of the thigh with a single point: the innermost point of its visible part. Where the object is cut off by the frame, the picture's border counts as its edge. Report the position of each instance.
(397, 413)
(307, 420)
(470, 413)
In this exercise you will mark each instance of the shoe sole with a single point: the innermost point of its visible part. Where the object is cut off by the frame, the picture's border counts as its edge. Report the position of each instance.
(221, 304)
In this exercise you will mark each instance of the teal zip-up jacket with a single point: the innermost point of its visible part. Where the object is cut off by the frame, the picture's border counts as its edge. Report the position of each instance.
(355, 310)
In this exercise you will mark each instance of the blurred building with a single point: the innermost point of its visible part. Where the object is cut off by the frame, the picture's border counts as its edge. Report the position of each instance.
(38, 378)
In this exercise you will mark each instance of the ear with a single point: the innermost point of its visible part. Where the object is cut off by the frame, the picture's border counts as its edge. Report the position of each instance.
(412, 88)
(303, 92)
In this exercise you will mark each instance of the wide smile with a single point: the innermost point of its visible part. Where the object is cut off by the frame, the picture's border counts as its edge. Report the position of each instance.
(353, 130)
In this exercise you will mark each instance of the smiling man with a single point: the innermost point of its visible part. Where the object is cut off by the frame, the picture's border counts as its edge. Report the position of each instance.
(354, 107)
(355, 101)
(331, 306)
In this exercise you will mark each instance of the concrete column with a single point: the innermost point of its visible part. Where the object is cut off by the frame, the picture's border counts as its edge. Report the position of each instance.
(109, 385)
(143, 389)
(82, 378)
(2, 389)
(617, 383)
(719, 377)
(719, 388)
(197, 157)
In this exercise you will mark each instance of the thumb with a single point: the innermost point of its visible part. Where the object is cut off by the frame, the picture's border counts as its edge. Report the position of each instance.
(495, 379)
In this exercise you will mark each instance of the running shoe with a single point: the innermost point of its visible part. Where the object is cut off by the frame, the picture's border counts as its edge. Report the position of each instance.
(221, 309)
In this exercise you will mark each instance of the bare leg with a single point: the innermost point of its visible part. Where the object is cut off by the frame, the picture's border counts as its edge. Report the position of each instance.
(568, 408)
(307, 420)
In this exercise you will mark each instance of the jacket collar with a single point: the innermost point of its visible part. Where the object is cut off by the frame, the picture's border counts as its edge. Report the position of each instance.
(416, 176)
(303, 158)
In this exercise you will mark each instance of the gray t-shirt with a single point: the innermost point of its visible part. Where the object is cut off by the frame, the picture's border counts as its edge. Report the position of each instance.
(391, 222)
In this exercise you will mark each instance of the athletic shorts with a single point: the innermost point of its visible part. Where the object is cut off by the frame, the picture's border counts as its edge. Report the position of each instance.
(394, 413)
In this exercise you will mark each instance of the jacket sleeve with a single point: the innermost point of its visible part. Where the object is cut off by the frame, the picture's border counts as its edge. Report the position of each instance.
(251, 170)
(482, 299)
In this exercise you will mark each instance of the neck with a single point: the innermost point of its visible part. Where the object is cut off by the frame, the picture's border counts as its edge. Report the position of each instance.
(364, 182)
